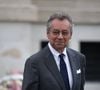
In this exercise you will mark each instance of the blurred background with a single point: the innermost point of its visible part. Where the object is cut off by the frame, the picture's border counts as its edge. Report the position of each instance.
(23, 33)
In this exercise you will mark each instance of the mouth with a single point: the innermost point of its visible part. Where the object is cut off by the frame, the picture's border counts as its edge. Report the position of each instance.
(59, 43)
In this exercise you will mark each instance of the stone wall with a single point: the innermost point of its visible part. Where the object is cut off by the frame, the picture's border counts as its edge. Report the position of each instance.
(82, 11)
(17, 10)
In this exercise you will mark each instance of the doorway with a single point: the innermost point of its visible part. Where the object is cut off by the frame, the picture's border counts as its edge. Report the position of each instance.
(92, 53)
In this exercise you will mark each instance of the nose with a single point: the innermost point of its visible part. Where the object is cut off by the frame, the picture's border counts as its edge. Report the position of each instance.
(60, 35)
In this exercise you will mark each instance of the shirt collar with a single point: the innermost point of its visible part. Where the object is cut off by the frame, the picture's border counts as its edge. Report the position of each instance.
(54, 52)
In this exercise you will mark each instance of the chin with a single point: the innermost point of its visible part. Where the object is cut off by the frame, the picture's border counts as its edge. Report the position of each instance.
(60, 48)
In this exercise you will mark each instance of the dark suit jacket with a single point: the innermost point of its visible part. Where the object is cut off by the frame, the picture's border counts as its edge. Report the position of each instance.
(41, 72)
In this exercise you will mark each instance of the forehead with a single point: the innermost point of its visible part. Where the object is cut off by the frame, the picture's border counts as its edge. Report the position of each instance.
(56, 23)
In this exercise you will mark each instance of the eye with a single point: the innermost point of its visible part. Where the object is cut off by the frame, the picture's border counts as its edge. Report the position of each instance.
(65, 33)
(55, 32)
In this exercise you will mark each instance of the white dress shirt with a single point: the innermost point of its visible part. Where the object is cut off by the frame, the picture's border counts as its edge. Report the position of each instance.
(57, 60)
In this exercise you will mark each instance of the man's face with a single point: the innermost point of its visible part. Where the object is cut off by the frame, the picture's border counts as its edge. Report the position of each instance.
(59, 34)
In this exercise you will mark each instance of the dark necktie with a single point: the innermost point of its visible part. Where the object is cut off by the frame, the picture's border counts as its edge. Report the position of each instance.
(63, 71)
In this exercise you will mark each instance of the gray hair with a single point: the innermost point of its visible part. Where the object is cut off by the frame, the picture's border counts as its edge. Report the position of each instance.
(59, 16)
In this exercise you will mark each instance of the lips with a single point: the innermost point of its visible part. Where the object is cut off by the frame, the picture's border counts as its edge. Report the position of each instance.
(59, 43)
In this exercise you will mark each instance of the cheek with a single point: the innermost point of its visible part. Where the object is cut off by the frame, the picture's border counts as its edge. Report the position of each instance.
(51, 37)
(67, 39)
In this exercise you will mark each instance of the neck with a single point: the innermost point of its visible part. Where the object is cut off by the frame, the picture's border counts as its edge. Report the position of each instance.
(59, 50)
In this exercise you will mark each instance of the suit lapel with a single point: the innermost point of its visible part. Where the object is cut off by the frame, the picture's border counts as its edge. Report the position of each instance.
(51, 65)
(72, 60)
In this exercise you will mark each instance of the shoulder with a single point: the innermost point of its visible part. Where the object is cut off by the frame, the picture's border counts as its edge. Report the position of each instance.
(37, 57)
(79, 56)
(74, 52)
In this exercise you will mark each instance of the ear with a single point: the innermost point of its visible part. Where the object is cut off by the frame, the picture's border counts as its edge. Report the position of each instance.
(48, 31)
(70, 36)
(47, 34)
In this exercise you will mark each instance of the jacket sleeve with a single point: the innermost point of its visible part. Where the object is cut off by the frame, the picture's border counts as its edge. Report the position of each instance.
(83, 67)
(30, 76)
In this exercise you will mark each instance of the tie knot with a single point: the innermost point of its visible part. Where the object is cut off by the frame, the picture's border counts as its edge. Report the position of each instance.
(61, 55)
